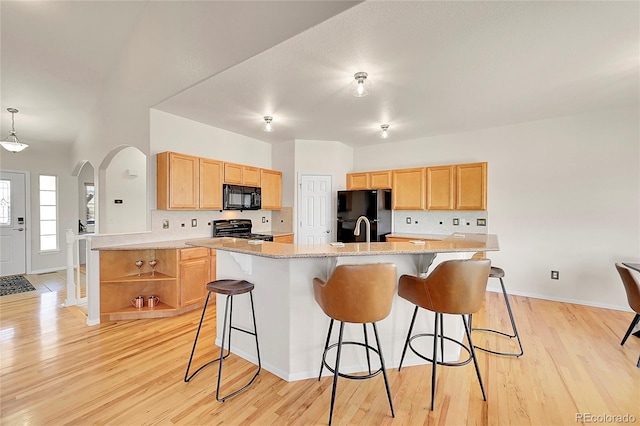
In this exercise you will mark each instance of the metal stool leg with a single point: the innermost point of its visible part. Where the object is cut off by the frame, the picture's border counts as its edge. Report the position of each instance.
(384, 371)
(188, 377)
(473, 356)
(406, 343)
(366, 342)
(633, 324)
(326, 346)
(513, 327)
(254, 333)
(435, 357)
(335, 373)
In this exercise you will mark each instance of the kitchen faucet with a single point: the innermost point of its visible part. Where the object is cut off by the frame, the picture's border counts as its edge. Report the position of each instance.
(356, 231)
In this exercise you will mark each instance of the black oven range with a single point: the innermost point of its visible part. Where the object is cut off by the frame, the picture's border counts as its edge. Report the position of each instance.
(237, 228)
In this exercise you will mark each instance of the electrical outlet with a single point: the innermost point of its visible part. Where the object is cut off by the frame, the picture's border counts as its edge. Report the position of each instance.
(194, 223)
(456, 221)
(165, 224)
(555, 275)
(481, 222)
(408, 220)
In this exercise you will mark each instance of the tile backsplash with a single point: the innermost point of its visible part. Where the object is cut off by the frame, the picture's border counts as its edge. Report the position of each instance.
(439, 222)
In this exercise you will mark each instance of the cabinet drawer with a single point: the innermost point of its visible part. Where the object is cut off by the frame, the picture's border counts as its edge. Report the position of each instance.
(193, 253)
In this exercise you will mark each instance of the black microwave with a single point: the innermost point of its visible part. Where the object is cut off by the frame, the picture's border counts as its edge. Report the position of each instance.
(236, 197)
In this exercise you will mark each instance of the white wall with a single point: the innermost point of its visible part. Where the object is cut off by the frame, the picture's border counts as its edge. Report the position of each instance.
(126, 181)
(37, 160)
(564, 194)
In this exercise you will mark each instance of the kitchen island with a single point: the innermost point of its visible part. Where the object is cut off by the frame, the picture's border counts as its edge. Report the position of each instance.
(291, 326)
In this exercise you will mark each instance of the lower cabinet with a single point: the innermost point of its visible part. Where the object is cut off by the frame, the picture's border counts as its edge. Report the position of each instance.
(283, 239)
(178, 280)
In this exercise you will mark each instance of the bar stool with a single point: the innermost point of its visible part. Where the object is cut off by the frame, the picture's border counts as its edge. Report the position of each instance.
(499, 273)
(454, 287)
(230, 288)
(358, 294)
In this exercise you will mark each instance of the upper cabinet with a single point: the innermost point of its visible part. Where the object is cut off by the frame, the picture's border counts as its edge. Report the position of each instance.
(369, 180)
(271, 184)
(178, 180)
(358, 180)
(451, 187)
(185, 182)
(471, 188)
(239, 174)
(441, 186)
(409, 189)
(211, 175)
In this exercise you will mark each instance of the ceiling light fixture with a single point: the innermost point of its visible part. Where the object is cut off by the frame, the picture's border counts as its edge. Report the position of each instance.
(11, 143)
(361, 90)
(267, 124)
(385, 131)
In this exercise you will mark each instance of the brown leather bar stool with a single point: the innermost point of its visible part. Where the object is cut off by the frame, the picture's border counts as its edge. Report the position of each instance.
(499, 273)
(230, 288)
(454, 287)
(359, 294)
(632, 288)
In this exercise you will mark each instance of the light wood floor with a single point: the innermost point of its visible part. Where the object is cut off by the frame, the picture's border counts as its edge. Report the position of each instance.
(56, 370)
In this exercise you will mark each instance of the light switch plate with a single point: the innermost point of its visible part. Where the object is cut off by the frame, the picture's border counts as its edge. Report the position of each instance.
(194, 223)
(165, 224)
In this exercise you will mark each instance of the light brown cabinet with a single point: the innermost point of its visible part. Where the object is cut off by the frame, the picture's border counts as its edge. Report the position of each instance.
(409, 189)
(451, 187)
(185, 182)
(441, 186)
(210, 184)
(283, 239)
(195, 273)
(369, 180)
(239, 174)
(358, 180)
(179, 280)
(271, 184)
(177, 181)
(471, 186)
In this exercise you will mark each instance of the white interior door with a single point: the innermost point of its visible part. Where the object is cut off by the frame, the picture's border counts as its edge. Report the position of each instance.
(314, 213)
(13, 226)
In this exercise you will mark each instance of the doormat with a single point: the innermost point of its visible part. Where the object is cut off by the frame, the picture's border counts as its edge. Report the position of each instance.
(14, 284)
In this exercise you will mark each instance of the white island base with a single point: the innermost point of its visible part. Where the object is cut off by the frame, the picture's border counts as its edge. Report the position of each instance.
(292, 328)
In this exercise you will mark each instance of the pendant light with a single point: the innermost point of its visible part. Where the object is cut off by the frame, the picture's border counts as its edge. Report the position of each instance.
(361, 90)
(385, 131)
(267, 124)
(11, 143)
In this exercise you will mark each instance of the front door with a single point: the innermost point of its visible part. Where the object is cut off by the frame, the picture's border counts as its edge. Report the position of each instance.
(13, 223)
(314, 213)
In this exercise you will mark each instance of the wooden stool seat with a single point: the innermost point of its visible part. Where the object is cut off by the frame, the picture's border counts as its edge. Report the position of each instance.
(496, 272)
(230, 287)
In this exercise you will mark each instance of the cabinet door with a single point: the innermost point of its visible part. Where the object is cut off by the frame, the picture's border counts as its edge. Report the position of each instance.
(211, 172)
(250, 176)
(471, 190)
(233, 173)
(212, 264)
(271, 183)
(380, 179)
(288, 239)
(194, 276)
(358, 180)
(409, 189)
(177, 181)
(441, 188)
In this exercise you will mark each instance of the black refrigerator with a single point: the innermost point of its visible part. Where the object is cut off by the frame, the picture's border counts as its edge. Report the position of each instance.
(375, 204)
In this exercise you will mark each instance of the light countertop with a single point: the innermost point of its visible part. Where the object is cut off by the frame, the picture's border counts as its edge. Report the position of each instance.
(447, 244)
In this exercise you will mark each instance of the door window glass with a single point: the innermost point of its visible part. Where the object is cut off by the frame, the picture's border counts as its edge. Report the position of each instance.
(5, 202)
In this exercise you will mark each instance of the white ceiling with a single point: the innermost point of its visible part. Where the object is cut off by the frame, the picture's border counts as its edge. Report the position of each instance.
(434, 67)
